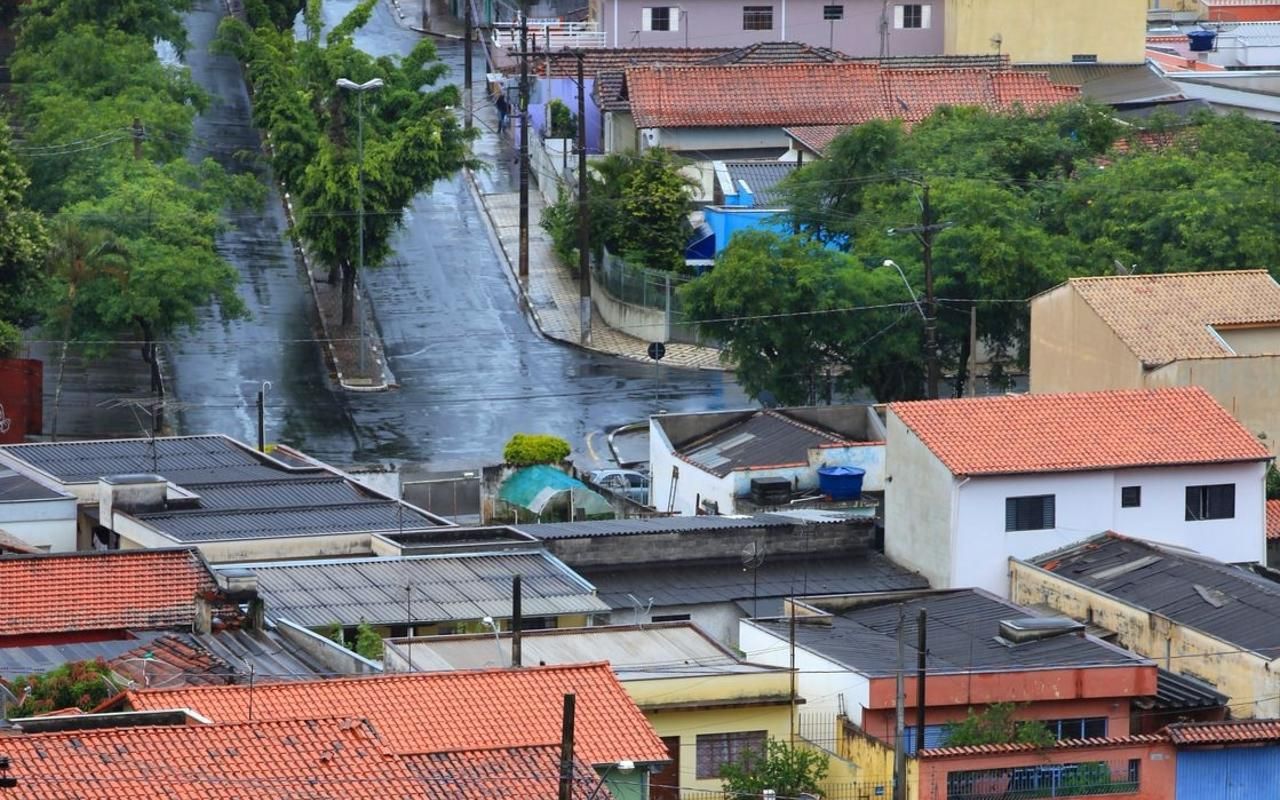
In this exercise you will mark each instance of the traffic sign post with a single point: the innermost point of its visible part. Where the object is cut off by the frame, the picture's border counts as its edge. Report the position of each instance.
(656, 351)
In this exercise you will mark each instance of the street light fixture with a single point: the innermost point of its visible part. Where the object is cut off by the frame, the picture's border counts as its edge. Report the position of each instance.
(489, 623)
(889, 262)
(360, 89)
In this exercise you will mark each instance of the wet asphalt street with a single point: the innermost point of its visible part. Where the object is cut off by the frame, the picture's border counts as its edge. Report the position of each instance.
(471, 369)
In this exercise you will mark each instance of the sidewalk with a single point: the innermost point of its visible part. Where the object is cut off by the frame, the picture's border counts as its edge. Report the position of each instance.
(552, 290)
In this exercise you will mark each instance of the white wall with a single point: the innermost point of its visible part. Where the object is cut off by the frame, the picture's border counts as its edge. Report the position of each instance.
(694, 484)
(48, 524)
(717, 620)
(918, 506)
(1088, 503)
(819, 680)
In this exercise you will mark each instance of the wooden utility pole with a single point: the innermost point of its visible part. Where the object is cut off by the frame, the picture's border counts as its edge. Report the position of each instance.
(924, 232)
(524, 144)
(517, 622)
(921, 665)
(566, 749)
(584, 214)
(973, 351)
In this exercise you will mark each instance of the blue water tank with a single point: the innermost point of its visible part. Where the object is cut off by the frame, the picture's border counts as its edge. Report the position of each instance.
(1202, 41)
(841, 483)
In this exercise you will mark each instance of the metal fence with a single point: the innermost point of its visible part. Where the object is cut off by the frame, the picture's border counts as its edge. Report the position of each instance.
(650, 288)
(1085, 779)
(851, 790)
(454, 496)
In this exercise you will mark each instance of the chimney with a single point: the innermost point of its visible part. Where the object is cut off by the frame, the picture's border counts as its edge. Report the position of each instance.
(202, 619)
(130, 494)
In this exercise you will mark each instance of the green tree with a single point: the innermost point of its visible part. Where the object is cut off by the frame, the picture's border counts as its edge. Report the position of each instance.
(79, 684)
(368, 642)
(797, 317)
(789, 770)
(652, 219)
(42, 21)
(562, 123)
(996, 725)
(23, 242)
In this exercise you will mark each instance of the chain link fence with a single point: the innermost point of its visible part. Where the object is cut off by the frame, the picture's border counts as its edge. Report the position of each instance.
(650, 288)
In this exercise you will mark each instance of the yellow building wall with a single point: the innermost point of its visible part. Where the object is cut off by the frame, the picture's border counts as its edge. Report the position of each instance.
(1247, 386)
(689, 723)
(874, 760)
(1073, 350)
(1245, 677)
(1049, 31)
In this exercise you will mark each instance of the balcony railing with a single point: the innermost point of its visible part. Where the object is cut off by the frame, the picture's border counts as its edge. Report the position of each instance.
(549, 34)
(1086, 779)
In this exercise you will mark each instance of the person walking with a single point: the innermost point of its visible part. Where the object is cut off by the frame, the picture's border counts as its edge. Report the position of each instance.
(504, 110)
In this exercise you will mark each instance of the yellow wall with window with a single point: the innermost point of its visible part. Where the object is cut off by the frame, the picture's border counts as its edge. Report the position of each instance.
(1048, 31)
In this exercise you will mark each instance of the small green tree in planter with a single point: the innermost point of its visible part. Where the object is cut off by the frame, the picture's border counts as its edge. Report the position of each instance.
(561, 122)
(535, 448)
(790, 771)
(996, 725)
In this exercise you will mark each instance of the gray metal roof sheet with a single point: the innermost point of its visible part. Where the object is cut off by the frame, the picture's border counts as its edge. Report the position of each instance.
(762, 178)
(1222, 600)
(962, 628)
(764, 439)
(1174, 691)
(445, 588)
(652, 525)
(726, 581)
(266, 523)
(28, 659)
(15, 487)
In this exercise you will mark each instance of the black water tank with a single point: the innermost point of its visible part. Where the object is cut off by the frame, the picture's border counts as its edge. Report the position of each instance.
(770, 491)
(1202, 41)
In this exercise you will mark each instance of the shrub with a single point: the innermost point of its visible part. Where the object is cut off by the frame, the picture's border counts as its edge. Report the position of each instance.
(789, 771)
(561, 122)
(83, 684)
(996, 725)
(535, 448)
(368, 642)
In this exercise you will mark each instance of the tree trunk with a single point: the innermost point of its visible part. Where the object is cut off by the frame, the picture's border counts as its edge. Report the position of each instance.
(348, 293)
(335, 270)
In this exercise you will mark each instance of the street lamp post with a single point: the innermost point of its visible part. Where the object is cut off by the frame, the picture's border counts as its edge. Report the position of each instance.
(360, 89)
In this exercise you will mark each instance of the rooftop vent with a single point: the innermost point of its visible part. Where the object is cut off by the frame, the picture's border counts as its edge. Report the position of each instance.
(1033, 629)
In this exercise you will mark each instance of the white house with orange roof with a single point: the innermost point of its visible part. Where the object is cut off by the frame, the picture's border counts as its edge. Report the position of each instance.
(970, 483)
(1219, 330)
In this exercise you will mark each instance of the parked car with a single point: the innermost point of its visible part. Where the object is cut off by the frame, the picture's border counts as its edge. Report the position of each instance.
(626, 482)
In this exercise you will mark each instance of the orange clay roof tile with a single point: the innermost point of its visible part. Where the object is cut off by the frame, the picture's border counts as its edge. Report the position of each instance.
(1229, 732)
(510, 773)
(431, 712)
(1273, 519)
(1015, 434)
(100, 591)
(322, 759)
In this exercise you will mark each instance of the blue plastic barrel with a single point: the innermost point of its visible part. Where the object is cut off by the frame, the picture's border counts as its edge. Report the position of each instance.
(1201, 41)
(841, 483)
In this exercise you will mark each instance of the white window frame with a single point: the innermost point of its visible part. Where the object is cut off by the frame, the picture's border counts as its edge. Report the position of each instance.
(673, 19)
(900, 16)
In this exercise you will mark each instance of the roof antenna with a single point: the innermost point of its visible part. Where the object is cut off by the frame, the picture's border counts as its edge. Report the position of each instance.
(752, 558)
(641, 609)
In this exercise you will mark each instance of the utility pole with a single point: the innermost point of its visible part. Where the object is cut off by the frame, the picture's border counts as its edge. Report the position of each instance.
(924, 233)
(792, 642)
(899, 738)
(262, 424)
(973, 351)
(517, 622)
(566, 749)
(467, 35)
(524, 145)
(584, 214)
(921, 665)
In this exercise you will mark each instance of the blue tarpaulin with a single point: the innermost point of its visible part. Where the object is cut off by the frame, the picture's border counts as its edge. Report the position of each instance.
(534, 487)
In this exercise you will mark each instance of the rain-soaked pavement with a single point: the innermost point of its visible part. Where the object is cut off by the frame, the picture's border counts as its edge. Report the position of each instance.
(471, 370)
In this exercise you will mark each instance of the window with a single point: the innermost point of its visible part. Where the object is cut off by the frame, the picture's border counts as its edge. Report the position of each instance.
(1217, 501)
(832, 13)
(1078, 727)
(1084, 58)
(671, 617)
(717, 749)
(756, 18)
(660, 18)
(1034, 513)
(914, 15)
(1130, 496)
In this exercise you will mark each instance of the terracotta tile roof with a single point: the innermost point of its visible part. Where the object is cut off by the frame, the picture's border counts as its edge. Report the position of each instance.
(432, 712)
(12, 544)
(1064, 744)
(1162, 318)
(503, 773)
(100, 591)
(170, 661)
(1273, 519)
(792, 95)
(596, 60)
(778, 53)
(338, 759)
(816, 137)
(1227, 732)
(1014, 434)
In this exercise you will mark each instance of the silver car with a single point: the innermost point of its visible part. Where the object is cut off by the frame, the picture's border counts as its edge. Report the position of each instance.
(626, 482)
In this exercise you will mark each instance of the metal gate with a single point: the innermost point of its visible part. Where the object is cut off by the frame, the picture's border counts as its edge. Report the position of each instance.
(1234, 773)
(453, 495)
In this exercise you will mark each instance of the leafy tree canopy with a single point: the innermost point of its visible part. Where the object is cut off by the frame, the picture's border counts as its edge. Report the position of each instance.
(43, 21)
(79, 684)
(788, 770)
(23, 242)
(996, 725)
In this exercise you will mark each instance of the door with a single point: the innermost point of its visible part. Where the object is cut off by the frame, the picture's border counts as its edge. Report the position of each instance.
(665, 785)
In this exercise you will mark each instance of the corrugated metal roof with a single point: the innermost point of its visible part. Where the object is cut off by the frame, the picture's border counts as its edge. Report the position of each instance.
(1174, 691)
(322, 489)
(1222, 600)
(726, 581)
(266, 523)
(963, 626)
(15, 487)
(762, 179)
(445, 588)
(25, 660)
(270, 654)
(652, 525)
(764, 439)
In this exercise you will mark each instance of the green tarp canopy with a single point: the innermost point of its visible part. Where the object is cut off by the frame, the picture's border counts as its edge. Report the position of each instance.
(534, 487)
